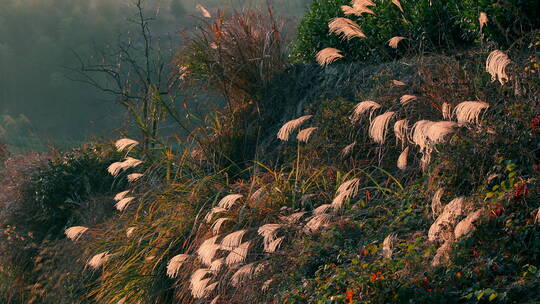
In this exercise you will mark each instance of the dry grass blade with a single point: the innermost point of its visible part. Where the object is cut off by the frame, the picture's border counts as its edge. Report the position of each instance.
(394, 41)
(75, 232)
(305, 134)
(289, 127)
(496, 64)
(378, 127)
(363, 107)
(345, 27)
(328, 56)
(174, 265)
(402, 159)
(469, 111)
(125, 143)
(204, 12)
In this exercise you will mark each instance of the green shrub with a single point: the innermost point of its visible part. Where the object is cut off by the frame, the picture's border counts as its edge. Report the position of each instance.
(508, 19)
(427, 28)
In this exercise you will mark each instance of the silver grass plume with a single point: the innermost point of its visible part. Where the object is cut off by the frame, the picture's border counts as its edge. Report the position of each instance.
(322, 209)
(232, 240)
(204, 12)
(216, 226)
(468, 224)
(363, 107)
(345, 27)
(483, 20)
(274, 245)
(402, 159)
(75, 232)
(293, 218)
(174, 265)
(348, 10)
(125, 143)
(216, 265)
(328, 55)
(229, 200)
(215, 300)
(214, 211)
(447, 219)
(305, 134)
(345, 190)
(207, 250)
(121, 195)
(99, 259)
(348, 149)
(238, 254)
(129, 231)
(442, 255)
(289, 127)
(436, 203)
(134, 177)
(469, 111)
(266, 285)
(496, 64)
(123, 203)
(198, 283)
(398, 83)
(394, 41)
(268, 232)
(378, 127)
(317, 222)
(243, 273)
(388, 245)
(400, 131)
(398, 4)
(446, 111)
(405, 99)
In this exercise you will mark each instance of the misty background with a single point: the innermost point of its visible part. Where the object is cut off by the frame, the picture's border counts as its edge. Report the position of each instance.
(39, 105)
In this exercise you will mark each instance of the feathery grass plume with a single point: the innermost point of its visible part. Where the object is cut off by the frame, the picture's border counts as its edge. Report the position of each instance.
(346, 27)
(129, 231)
(469, 111)
(402, 159)
(322, 209)
(293, 218)
(255, 196)
(483, 20)
(229, 200)
(305, 134)
(377, 129)
(122, 300)
(405, 99)
(437, 131)
(216, 265)
(419, 135)
(174, 265)
(398, 4)
(388, 245)
(394, 41)
(400, 131)
(125, 143)
(537, 218)
(244, 273)
(348, 10)
(121, 195)
(232, 240)
(123, 203)
(214, 211)
(446, 111)
(442, 255)
(289, 127)
(131, 162)
(198, 283)
(207, 250)
(204, 12)
(328, 56)
(496, 64)
(266, 285)
(274, 245)
(362, 108)
(398, 83)
(210, 288)
(75, 232)
(134, 177)
(361, 3)
(115, 168)
(436, 203)
(447, 219)
(345, 190)
(215, 300)
(316, 222)
(348, 149)
(99, 259)
(468, 224)
(216, 226)
(268, 232)
(238, 254)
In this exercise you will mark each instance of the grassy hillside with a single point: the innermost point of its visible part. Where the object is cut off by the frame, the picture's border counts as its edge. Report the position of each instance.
(414, 180)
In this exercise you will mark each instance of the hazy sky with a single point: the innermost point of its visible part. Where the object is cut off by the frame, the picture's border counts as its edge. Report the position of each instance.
(37, 40)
